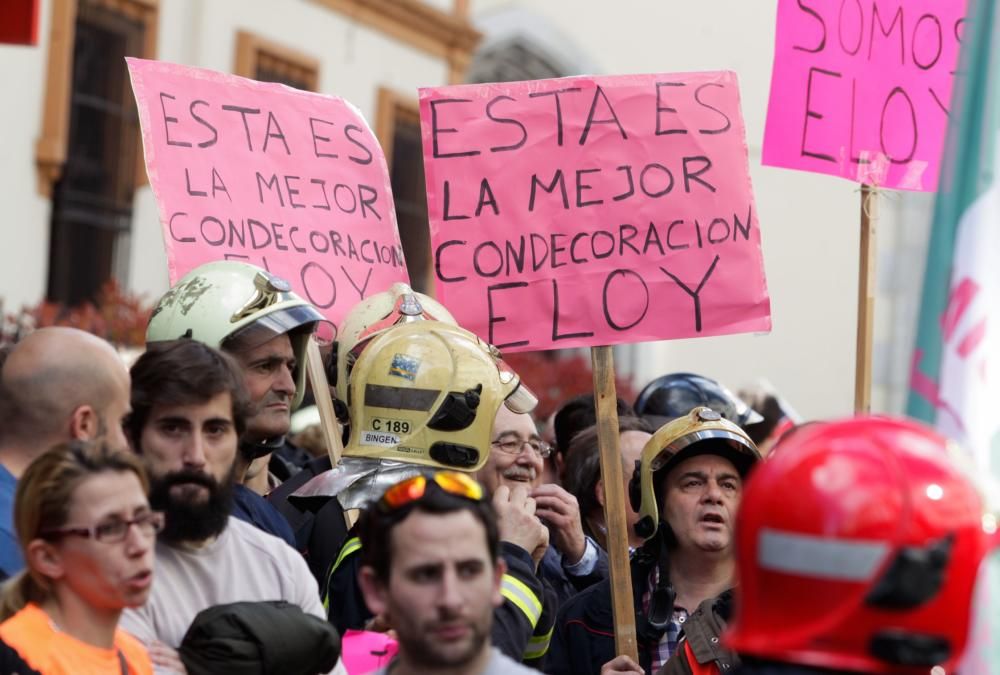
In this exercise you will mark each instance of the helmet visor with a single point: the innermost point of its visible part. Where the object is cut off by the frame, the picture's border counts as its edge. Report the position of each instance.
(276, 323)
(745, 414)
(707, 442)
(521, 400)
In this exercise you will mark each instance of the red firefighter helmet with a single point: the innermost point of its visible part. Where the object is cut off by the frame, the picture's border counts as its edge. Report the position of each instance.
(859, 543)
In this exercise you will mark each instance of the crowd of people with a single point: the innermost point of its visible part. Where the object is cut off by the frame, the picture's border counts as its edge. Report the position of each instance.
(157, 518)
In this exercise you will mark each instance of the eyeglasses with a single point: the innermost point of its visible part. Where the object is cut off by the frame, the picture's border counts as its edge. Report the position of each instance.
(513, 445)
(114, 531)
(412, 489)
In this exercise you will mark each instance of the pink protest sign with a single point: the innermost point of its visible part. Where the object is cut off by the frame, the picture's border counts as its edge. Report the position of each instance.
(861, 89)
(365, 651)
(292, 181)
(594, 210)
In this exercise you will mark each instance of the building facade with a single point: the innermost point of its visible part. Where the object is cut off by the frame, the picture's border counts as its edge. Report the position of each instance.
(79, 210)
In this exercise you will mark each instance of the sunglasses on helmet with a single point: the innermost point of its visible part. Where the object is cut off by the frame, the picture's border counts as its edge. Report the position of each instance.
(413, 489)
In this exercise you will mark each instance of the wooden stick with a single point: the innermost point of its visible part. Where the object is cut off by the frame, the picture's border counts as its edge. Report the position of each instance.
(606, 401)
(866, 300)
(321, 392)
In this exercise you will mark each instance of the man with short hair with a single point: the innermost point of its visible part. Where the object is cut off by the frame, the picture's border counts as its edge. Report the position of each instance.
(439, 387)
(189, 408)
(686, 491)
(582, 475)
(430, 564)
(57, 385)
(269, 373)
(270, 370)
(574, 416)
(571, 561)
(251, 314)
(319, 522)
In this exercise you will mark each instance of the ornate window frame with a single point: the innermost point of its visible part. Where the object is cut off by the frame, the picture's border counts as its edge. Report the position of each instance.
(50, 148)
(253, 51)
(449, 35)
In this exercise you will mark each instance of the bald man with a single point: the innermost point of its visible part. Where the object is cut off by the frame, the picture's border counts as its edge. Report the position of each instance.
(57, 385)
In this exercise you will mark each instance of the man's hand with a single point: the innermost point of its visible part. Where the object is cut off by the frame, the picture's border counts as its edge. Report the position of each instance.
(379, 624)
(560, 509)
(165, 658)
(621, 665)
(517, 522)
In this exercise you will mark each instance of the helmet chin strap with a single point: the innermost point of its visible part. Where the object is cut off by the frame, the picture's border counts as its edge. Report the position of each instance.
(651, 625)
(251, 450)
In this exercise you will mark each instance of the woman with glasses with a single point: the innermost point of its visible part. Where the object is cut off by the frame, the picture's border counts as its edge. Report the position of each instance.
(87, 535)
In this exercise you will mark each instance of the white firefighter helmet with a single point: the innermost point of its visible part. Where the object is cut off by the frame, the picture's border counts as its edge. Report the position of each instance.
(426, 393)
(375, 314)
(229, 303)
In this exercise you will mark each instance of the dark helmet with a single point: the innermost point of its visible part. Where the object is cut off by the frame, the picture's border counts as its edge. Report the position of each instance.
(675, 395)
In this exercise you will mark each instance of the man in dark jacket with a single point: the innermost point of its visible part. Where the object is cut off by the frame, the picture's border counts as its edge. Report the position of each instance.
(424, 394)
(690, 477)
(522, 625)
(58, 384)
(318, 520)
(700, 650)
(572, 561)
(582, 475)
(431, 566)
(318, 523)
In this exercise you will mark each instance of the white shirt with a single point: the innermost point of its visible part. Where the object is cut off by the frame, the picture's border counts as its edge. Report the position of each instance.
(242, 564)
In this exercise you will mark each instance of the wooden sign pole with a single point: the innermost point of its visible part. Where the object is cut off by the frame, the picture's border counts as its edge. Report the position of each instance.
(321, 392)
(605, 399)
(866, 300)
